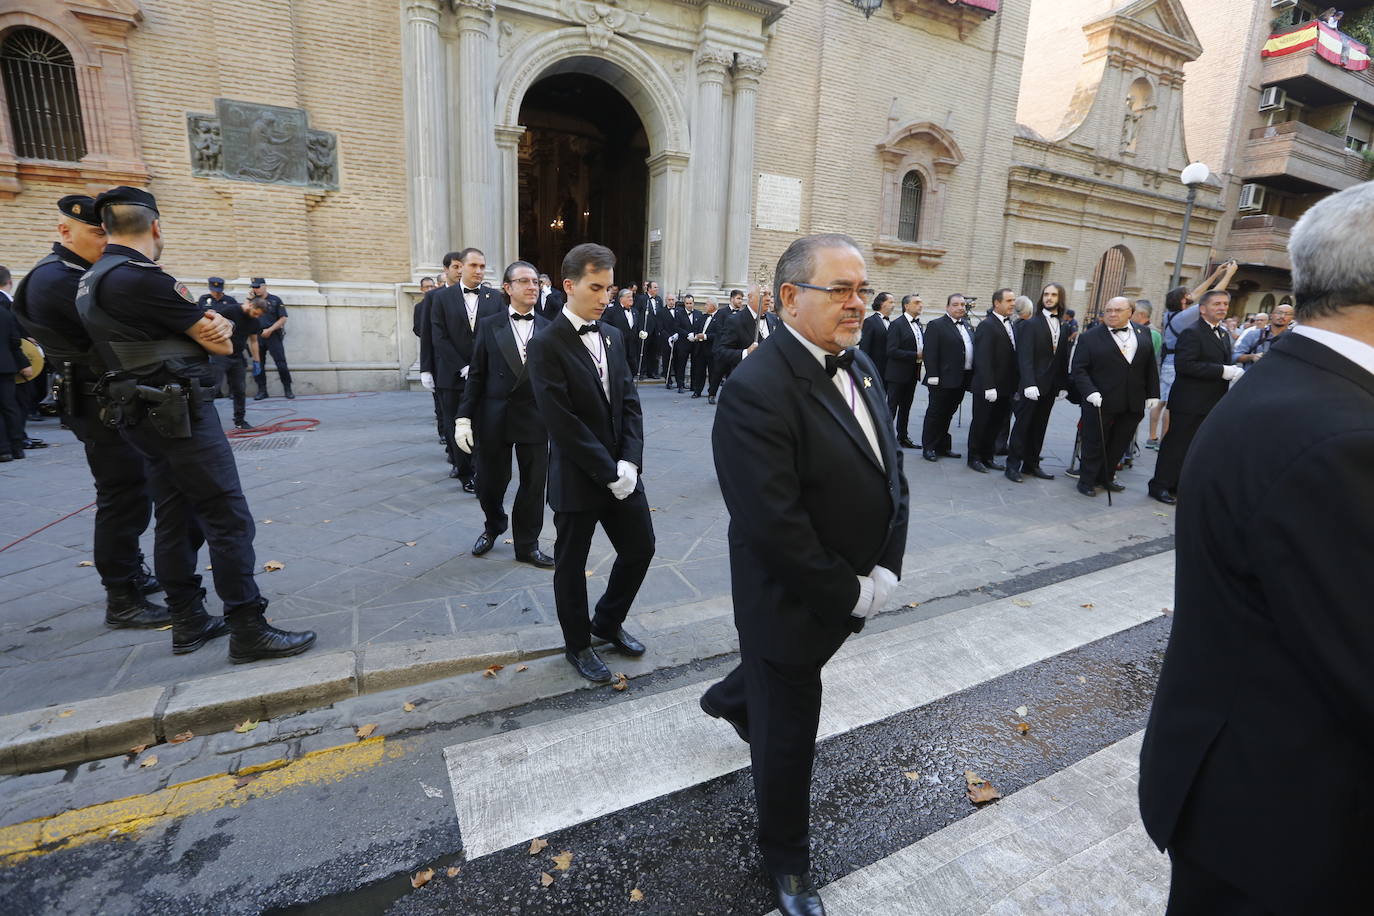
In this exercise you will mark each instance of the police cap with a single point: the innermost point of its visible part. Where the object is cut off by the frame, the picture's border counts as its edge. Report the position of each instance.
(79, 207)
(258, 281)
(125, 195)
(216, 283)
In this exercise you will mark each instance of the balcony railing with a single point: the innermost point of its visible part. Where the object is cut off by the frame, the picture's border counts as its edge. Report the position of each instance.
(1302, 152)
(1261, 240)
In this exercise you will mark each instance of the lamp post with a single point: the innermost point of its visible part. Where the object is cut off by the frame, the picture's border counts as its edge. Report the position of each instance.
(1194, 174)
(869, 7)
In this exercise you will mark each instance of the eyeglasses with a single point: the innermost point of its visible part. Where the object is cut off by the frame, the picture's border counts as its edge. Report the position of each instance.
(523, 281)
(841, 294)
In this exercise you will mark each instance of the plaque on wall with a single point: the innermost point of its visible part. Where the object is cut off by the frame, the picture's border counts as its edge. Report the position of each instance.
(269, 144)
(779, 203)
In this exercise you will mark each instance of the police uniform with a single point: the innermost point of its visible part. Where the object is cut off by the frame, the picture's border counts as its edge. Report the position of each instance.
(45, 303)
(219, 365)
(138, 317)
(245, 326)
(273, 345)
(12, 360)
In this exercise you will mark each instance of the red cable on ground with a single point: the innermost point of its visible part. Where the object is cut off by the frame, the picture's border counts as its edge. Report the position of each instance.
(45, 527)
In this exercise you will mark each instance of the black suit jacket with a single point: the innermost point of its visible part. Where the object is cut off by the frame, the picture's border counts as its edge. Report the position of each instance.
(498, 397)
(1098, 365)
(1040, 363)
(739, 333)
(903, 352)
(994, 359)
(1199, 359)
(1256, 757)
(711, 329)
(12, 358)
(587, 433)
(873, 341)
(615, 317)
(944, 353)
(451, 337)
(795, 469)
(684, 323)
(552, 305)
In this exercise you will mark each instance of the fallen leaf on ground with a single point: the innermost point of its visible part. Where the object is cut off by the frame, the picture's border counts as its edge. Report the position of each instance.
(85, 563)
(620, 682)
(980, 791)
(522, 668)
(491, 670)
(168, 627)
(365, 731)
(1162, 514)
(1088, 605)
(1022, 728)
(267, 521)
(135, 751)
(273, 565)
(507, 541)
(562, 861)
(244, 780)
(1022, 711)
(246, 726)
(1082, 679)
(1020, 602)
(64, 713)
(453, 871)
(636, 895)
(653, 508)
(410, 543)
(912, 775)
(149, 761)
(913, 604)
(183, 737)
(409, 707)
(422, 877)
(431, 791)
(1167, 611)
(208, 567)
(589, 574)
(328, 520)
(537, 845)
(545, 879)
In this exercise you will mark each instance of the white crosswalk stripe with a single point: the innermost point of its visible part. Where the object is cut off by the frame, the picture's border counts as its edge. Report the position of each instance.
(526, 783)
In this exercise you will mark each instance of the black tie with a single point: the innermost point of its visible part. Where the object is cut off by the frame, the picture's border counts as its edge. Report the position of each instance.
(466, 291)
(518, 317)
(1119, 330)
(843, 360)
(588, 328)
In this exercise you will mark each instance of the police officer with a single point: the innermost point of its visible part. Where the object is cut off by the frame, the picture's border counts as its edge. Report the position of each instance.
(216, 298)
(244, 340)
(157, 342)
(45, 304)
(272, 340)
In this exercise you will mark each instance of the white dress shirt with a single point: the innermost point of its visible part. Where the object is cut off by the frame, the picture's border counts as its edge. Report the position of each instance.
(1053, 322)
(523, 330)
(1125, 341)
(849, 393)
(1357, 351)
(1006, 323)
(596, 346)
(968, 345)
(760, 330)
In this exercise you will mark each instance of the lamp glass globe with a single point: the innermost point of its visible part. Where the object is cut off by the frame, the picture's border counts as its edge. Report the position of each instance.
(1195, 173)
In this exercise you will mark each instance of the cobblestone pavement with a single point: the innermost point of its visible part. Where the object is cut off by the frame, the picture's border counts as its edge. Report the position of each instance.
(373, 539)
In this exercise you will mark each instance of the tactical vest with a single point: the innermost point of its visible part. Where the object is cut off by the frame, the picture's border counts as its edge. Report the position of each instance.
(126, 349)
(55, 345)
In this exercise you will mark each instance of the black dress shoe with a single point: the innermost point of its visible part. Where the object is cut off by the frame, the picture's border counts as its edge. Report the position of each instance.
(1163, 496)
(6, 457)
(290, 396)
(469, 487)
(696, 394)
(711, 399)
(976, 465)
(253, 639)
(623, 641)
(797, 896)
(453, 473)
(994, 466)
(589, 665)
(1014, 475)
(905, 442)
(260, 396)
(929, 455)
(1087, 490)
(484, 543)
(35, 443)
(537, 558)
(949, 454)
(18, 452)
(127, 608)
(1116, 487)
(680, 389)
(741, 728)
(1036, 472)
(241, 424)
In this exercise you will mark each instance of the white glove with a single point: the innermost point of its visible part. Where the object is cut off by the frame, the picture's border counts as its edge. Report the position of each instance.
(1063, 393)
(462, 434)
(624, 485)
(864, 607)
(933, 382)
(990, 395)
(1032, 393)
(1231, 372)
(673, 339)
(1151, 404)
(884, 584)
(1094, 399)
(643, 335)
(463, 372)
(427, 379)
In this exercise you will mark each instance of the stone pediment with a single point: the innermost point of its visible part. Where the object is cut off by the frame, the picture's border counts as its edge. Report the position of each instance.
(1161, 24)
(121, 10)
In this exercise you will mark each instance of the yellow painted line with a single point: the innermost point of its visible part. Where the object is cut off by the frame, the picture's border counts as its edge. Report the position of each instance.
(131, 815)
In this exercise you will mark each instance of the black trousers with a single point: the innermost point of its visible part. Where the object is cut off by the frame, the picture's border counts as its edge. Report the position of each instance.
(781, 705)
(899, 398)
(718, 372)
(704, 365)
(943, 405)
(449, 401)
(198, 499)
(652, 354)
(662, 364)
(493, 477)
(1028, 432)
(628, 526)
(1195, 891)
(274, 346)
(234, 380)
(988, 419)
(1099, 459)
(123, 504)
(1004, 431)
(11, 416)
(438, 413)
(1173, 448)
(681, 350)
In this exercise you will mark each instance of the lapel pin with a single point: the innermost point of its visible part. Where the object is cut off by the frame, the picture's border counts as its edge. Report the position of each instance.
(868, 382)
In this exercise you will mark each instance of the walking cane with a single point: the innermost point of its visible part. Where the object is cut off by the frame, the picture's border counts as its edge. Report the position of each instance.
(640, 363)
(1102, 438)
(668, 376)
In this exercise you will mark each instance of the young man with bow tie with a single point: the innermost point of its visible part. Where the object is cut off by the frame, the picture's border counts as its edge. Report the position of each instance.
(586, 395)
(995, 375)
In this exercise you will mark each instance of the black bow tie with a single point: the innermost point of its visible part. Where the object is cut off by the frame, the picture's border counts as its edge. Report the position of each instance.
(1120, 330)
(516, 316)
(843, 360)
(466, 291)
(588, 328)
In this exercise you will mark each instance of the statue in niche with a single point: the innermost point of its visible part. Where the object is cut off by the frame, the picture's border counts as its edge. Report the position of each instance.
(322, 164)
(268, 144)
(206, 145)
(1136, 109)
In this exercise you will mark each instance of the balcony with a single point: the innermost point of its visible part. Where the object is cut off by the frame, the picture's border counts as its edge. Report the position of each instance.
(1261, 241)
(1300, 158)
(1314, 79)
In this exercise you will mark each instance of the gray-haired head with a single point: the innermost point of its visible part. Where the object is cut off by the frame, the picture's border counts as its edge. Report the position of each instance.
(1330, 247)
(1024, 307)
(798, 262)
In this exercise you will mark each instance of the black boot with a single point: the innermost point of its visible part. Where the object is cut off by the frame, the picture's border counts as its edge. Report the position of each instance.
(145, 580)
(192, 627)
(290, 395)
(252, 638)
(127, 609)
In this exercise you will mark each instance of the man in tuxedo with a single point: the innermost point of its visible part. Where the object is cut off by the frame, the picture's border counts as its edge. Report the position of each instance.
(1117, 377)
(685, 323)
(874, 339)
(629, 321)
(454, 313)
(550, 299)
(806, 457)
(724, 359)
(1257, 747)
(995, 376)
(703, 351)
(1042, 356)
(949, 373)
(746, 330)
(1203, 373)
(586, 394)
(659, 326)
(498, 411)
(421, 326)
(905, 347)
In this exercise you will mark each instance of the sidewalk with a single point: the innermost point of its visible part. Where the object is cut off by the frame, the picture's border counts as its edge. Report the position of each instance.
(373, 539)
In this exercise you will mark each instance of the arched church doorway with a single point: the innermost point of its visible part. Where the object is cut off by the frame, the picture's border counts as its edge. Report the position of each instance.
(1109, 281)
(582, 174)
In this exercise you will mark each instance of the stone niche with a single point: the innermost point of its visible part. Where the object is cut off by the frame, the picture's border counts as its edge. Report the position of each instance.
(267, 144)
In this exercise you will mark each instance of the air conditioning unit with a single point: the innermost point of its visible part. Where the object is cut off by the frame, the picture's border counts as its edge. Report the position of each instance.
(1251, 198)
(1282, 4)
(1272, 98)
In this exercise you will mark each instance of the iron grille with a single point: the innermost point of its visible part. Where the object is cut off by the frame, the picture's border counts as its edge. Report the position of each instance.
(909, 216)
(44, 106)
(1033, 279)
(264, 443)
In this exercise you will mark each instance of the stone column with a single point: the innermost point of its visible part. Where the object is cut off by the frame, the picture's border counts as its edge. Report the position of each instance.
(508, 211)
(426, 118)
(475, 138)
(748, 69)
(709, 135)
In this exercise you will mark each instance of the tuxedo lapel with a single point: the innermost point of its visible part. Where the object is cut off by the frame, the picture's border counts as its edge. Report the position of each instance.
(823, 390)
(877, 410)
(572, 340)
(505, 342)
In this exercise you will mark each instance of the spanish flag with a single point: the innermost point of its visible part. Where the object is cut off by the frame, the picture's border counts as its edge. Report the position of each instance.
(1332, 45)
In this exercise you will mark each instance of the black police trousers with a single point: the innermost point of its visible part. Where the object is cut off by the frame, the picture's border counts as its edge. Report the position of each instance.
(123, 504)
(275, 347)
(235, 381)
(202, 502)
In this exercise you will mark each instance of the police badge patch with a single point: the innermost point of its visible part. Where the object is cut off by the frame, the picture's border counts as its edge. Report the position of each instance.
(185, 293)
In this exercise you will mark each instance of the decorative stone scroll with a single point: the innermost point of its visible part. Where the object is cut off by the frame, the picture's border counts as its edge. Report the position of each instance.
(267, 144)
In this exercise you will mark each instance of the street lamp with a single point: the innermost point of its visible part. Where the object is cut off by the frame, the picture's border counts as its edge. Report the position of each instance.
(1194, 174)
(869, 7)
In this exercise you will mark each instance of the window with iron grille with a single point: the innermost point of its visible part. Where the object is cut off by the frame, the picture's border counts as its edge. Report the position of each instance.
(1033, 279)
(41, 94)
(909, 216)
